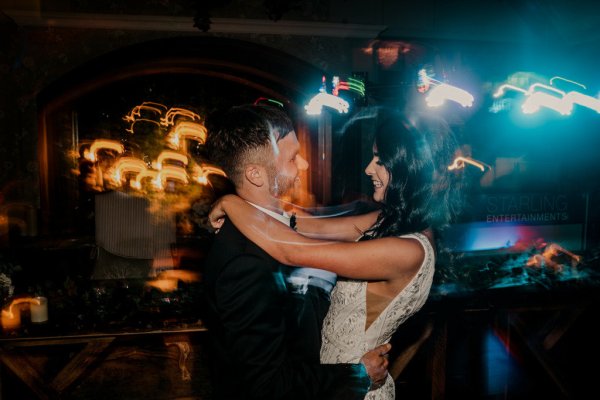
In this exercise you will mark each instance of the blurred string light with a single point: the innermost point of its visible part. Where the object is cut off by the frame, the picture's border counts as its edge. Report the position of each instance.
(173, 113)
(173, 164)
(91, 153)
(135, 115)
(460, 161)
(176, 139)
(352, 85)
(265, 100)
(539, 95)
(439, 92)
(535, 100)
(316, 104)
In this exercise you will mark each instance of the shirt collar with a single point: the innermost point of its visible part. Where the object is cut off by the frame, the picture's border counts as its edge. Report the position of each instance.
(283, 218)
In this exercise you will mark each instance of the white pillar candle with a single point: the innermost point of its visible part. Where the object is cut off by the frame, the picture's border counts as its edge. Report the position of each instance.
(39, 309)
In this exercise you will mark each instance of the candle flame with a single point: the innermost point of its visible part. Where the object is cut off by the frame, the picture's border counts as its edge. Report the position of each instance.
(8, 312)
(167, 281)
(547, 258)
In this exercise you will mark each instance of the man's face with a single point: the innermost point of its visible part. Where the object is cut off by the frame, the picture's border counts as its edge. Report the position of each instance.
(287, 164)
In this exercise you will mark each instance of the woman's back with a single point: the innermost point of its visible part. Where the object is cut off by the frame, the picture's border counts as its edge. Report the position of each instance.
(345, 339)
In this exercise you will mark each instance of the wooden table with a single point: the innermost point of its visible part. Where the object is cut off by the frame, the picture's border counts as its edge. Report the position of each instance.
(546, 331)
(53, 367)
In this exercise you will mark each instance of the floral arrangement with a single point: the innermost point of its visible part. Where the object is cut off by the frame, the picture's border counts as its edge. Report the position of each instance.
(8, 269)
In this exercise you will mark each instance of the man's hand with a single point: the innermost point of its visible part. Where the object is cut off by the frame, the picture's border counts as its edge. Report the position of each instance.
(376, 363)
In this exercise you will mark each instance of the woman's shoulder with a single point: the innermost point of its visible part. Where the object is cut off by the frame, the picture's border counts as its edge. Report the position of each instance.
(425, 238)
(422, 241)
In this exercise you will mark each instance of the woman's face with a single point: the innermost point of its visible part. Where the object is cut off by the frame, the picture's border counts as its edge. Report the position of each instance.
(379, 176)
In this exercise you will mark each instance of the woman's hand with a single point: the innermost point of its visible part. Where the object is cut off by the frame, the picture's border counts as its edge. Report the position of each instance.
(217, 214)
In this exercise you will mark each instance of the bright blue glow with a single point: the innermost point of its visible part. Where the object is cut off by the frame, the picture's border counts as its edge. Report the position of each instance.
(477, 236)
(502, 372)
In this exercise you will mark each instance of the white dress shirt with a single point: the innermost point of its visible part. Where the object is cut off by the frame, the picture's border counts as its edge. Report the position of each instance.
(302, 275)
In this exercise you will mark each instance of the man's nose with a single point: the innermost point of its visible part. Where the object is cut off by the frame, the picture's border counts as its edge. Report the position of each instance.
(301, 163)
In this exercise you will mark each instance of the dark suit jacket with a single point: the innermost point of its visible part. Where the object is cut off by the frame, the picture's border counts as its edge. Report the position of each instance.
(251, 319)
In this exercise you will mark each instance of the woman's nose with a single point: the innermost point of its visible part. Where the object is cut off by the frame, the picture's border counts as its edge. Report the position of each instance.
(369, 169)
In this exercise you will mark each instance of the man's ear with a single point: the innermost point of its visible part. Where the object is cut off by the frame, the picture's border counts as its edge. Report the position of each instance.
(254, 174)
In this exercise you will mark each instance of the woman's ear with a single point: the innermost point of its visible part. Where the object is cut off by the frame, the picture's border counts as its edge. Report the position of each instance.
(255, 175)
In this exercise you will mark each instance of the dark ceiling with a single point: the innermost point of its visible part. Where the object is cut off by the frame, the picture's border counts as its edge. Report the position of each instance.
(563, 22)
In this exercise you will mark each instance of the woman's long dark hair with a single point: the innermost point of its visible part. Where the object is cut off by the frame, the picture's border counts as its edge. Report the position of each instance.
(422, 191)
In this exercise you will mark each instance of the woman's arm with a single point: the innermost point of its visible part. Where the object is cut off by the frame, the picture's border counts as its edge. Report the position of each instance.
(347, 228)
(343, 228)
(377, 259)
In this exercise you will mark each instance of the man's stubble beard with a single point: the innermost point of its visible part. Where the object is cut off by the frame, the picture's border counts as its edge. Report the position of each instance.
(280, 185)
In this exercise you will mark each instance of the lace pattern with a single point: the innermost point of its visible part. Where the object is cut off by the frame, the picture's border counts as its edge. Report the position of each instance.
(344, 337)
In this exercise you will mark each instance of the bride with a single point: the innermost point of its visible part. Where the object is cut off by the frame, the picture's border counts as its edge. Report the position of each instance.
(385, 259)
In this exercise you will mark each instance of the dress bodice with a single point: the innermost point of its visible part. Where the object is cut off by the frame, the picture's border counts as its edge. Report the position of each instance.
(345, 339)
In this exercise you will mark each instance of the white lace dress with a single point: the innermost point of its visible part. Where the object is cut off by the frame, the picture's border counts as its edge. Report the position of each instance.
(344, 337)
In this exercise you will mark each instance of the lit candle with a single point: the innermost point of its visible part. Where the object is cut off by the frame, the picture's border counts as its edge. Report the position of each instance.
(39, 309)
(11, 319)
(164, 285)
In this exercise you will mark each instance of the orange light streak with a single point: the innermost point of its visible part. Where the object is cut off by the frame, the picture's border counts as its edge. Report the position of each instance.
(11, 320)
(131, 130)
(137, 183)
(169, 119)
(547, 258)
(459, 163)
(172, 172)
(186, 130)
(136, 112)
(169, 155)
(137, 170)
(164, 285)
(127, 164)
(168, 281)
(200, 173)
(147, 105)
(92, 153)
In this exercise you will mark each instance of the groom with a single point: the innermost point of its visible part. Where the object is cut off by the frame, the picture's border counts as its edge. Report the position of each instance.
(264, 318)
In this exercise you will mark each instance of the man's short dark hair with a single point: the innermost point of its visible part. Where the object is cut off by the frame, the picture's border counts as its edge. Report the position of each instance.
(245, 134)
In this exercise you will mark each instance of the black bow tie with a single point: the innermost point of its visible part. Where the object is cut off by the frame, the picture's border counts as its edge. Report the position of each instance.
(293, 221)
